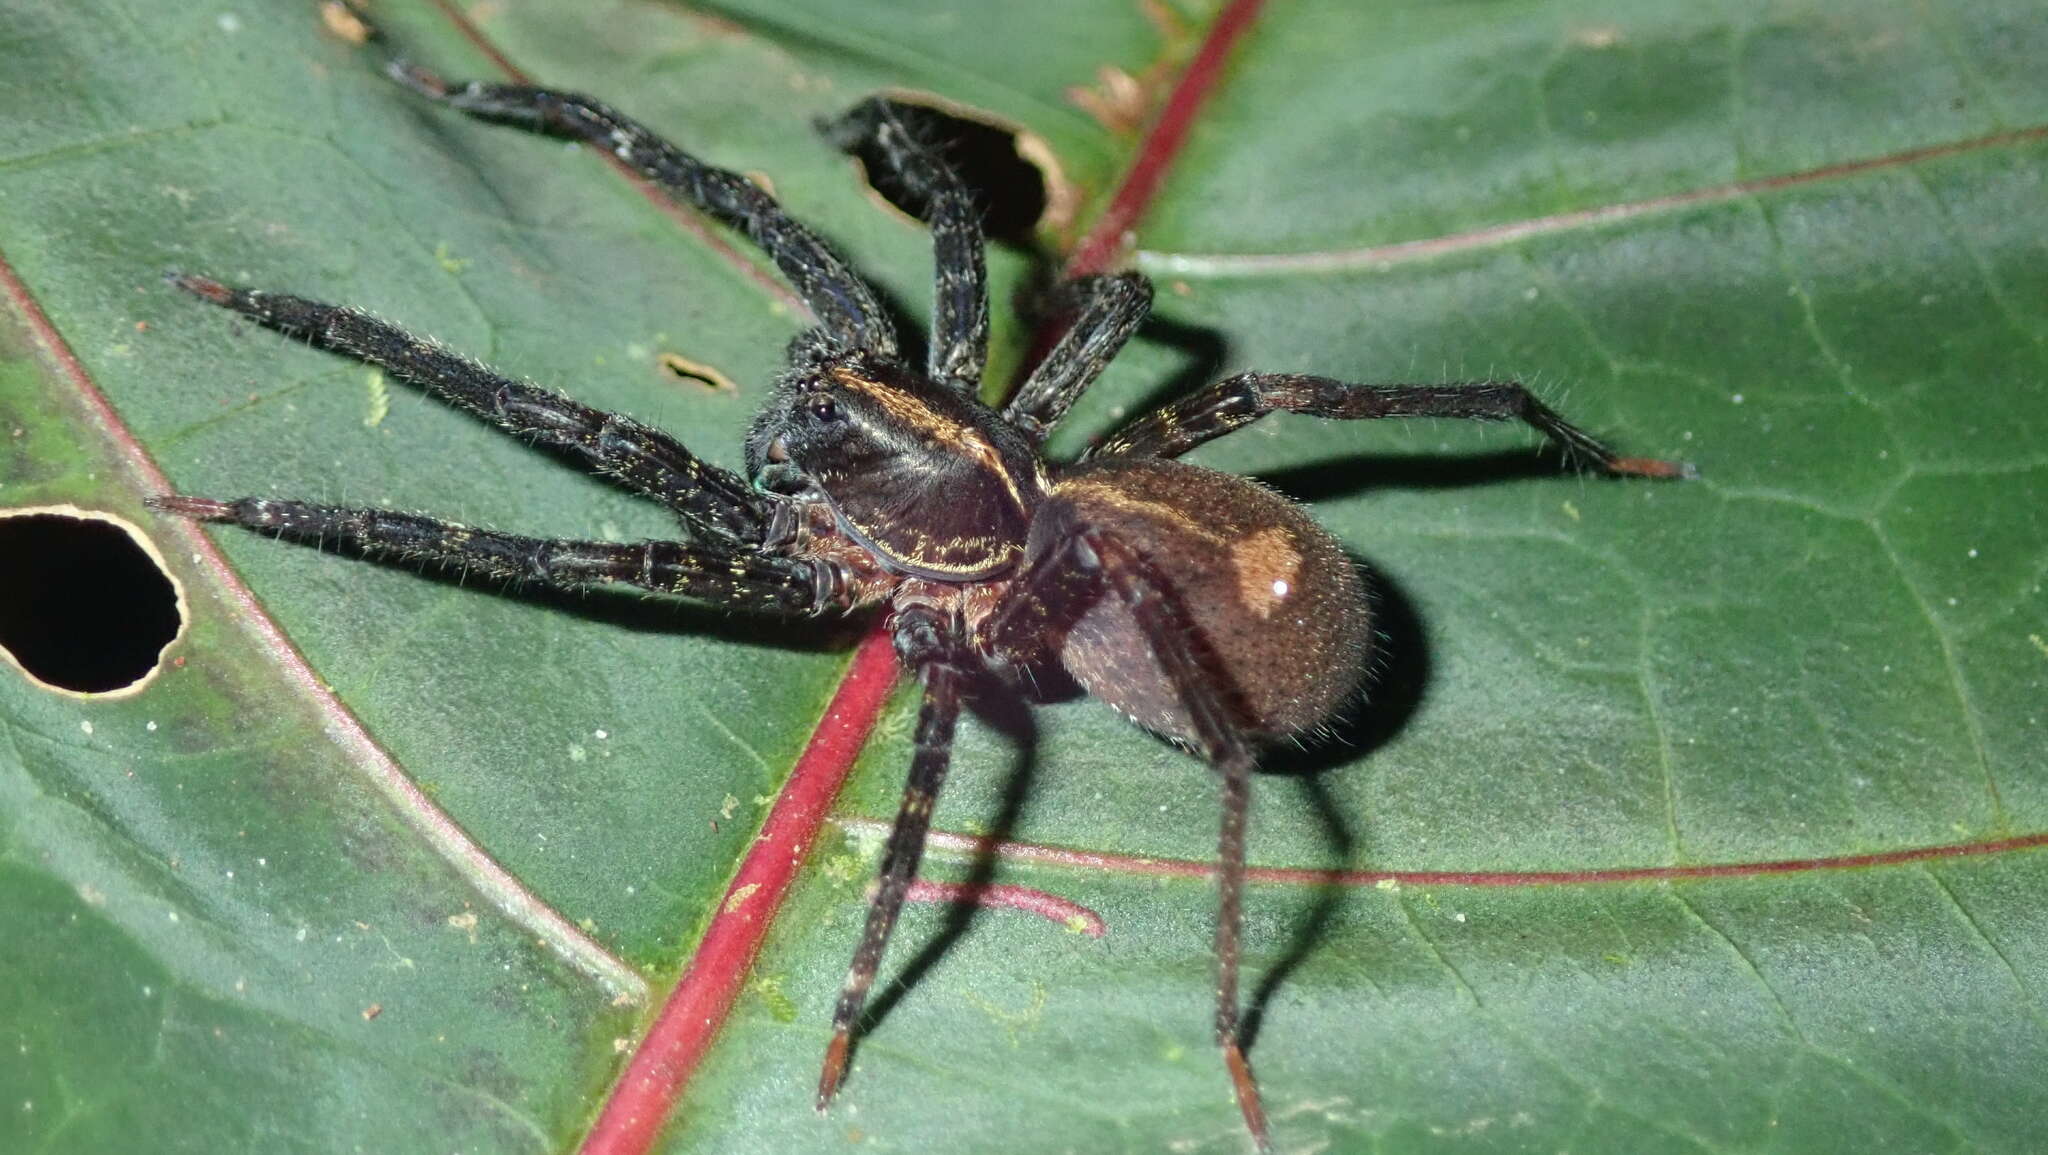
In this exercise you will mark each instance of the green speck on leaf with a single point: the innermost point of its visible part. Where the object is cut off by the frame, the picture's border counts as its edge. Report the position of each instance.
(867, 843)
(768, 988)
(380, 399)
(448, 261)
(1013, 1022)
(841, 868)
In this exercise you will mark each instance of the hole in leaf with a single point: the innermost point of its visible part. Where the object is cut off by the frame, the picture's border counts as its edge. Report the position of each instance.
(86, 605)
(1015, 181)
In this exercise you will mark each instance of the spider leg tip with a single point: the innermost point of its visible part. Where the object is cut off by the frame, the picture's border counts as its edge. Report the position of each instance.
(418, 79)
(205, 288)
(1248, 1101)
(197, 508)
(847, 130)
(835, 1068)
(1654, 467)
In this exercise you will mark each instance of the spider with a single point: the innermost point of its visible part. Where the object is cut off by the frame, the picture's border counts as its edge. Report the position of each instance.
(1206, 608)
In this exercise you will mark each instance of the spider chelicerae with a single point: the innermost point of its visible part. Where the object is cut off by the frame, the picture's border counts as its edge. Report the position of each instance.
(1206, 608)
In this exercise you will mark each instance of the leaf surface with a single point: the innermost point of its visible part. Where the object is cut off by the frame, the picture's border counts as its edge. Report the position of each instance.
(1797, 245)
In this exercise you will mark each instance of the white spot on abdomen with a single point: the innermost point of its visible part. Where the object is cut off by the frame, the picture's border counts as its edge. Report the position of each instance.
(1267, 563)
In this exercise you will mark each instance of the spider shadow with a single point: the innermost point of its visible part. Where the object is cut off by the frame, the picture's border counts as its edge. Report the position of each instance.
(1201, 350)
(1397, 681)
(645, 613)
(1349, 475)
(1331, 894)
(1006, 710)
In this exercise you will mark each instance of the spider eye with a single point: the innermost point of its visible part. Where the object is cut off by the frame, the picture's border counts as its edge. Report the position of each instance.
(824, 408)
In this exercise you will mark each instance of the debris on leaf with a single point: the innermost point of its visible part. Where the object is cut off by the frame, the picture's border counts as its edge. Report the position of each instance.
(696, 372)
(341, 19)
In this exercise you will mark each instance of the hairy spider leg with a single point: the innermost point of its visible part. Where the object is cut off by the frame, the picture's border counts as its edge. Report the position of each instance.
(843, 303)
(931, 648)
(1106, 311)
(716, 503)
(735, 577)
(959, 344)
(1214, 410)
(1208, 695)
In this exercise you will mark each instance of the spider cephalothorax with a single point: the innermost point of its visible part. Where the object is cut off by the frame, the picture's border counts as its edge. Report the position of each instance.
(1204, 606)
(925, 477)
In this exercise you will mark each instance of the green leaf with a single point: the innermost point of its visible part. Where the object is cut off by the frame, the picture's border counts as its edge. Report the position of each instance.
(1831, 645)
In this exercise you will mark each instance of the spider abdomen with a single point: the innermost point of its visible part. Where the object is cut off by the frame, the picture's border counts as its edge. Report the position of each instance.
(1278, 605)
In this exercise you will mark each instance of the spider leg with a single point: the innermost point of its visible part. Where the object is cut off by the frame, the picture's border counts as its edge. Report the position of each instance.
(841, 301)
(1049, 597)
(928, 646)
(959, 347)
(715, 501)
(736, 577)
(1107, 310)
(1238, 401)
(1210, 699)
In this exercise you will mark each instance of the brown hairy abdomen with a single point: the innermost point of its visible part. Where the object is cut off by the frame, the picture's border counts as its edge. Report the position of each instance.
(1278, 605)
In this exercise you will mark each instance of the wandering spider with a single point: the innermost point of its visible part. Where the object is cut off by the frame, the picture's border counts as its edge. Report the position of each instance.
(1206, 608)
